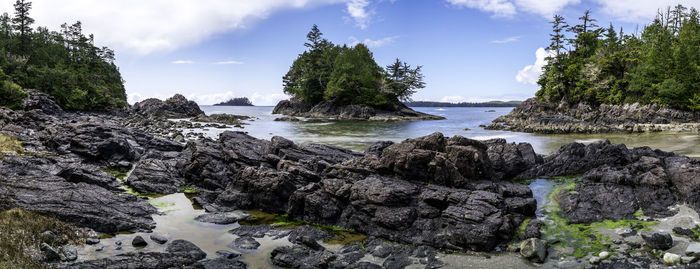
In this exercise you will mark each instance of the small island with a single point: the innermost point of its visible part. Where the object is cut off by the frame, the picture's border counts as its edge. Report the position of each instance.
(238, 101)
(344, 82)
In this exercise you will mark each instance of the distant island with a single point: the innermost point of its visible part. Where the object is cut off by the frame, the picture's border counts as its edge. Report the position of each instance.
(344, 82)
(462, 104)
(238, 101)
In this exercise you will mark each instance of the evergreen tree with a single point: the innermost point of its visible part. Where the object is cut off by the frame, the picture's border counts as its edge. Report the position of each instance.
(22, 24)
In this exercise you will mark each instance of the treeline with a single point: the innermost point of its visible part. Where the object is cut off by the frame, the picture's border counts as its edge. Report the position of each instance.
(463, 104)
(348, 75)
(238, 101)
(588, 63)
(65, 64)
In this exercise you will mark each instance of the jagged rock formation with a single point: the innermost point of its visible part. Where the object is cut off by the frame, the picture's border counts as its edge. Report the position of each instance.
(533, 116)
(332, 110)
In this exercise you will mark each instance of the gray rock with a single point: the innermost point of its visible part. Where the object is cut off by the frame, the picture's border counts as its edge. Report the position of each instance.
(69, 253)
(693, 249)
(49, 252)
(534, 249)
(158, 238)
(658, 240)
(48, 237)
(245, 243)
(223, 217)
(92, 241)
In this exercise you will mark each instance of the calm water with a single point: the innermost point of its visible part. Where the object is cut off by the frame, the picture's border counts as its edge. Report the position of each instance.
(358, 135)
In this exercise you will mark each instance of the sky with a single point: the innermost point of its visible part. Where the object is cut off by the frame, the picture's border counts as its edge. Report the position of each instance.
(212, 50)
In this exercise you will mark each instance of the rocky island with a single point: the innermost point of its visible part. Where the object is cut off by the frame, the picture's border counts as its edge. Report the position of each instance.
(593, 84)
(239, 101)
(340, 82)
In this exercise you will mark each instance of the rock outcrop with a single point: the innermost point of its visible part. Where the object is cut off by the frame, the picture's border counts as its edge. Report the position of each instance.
(533, 116)
(174, 107)
(333, 110)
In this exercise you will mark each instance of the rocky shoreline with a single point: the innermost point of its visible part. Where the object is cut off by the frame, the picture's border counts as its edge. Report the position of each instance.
(330, 110)
(533, 116)
(415, 200)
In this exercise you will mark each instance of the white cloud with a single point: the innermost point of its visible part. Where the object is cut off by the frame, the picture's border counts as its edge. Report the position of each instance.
(544, 8)
(269, 99)
(641, 11)
(359, 12)
(182, 62)
(142, 27)
(374, 43)
(499, 8)
(460, 99)
(506, 40)
(531, 73)
(229, 62)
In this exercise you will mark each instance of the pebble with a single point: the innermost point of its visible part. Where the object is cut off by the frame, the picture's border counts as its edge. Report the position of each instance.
(670, 258)
(160, 239)
(604, 255)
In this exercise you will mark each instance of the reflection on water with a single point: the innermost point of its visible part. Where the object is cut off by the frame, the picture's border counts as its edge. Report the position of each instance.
(357, 135)
(177, 222)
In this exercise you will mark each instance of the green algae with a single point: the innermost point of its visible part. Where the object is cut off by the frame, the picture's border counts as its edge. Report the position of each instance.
(340, 235)
(584, 239)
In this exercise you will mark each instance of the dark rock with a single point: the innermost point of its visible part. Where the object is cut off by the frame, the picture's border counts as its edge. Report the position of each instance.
(397, 261)
(174, 107)
(186, 248)
(49, 252)
(532, 230)
(536, 116)
(157, 176)
(91, 175)
(685, 232)
(92, 241)
(139, 242)
(245, 243)
(658, 240)
(227, 254)
(336, 110)
(42, 101)
(510, 159)
(223, 263)
(48, 237)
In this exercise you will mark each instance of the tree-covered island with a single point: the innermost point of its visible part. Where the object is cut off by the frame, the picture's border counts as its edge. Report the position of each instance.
(328, 79)
(237, 101)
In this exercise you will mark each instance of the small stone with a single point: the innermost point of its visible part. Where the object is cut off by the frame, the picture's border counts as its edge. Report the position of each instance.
(658, 240)
(118, 248)
(693, 250)
(687, 260)
(670, 258)
(139, 242)
(160, 239)
(99, 248)
(533, 249)
(48, 237)
(70, 253)
(227, 254)
(594, 260)
(92, 241)
(50, 253)
(246, 242)
(604, 255)
(118, 243)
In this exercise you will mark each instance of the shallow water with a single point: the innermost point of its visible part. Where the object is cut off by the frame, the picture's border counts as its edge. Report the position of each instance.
(357, 135)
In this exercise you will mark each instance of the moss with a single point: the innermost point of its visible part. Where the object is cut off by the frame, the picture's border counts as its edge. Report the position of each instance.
(10, 145)
(339, 236)
(19, 236)
(521, 229)
(583, 238)
(189, 190)
(639, 213)
(160, 204)
(120, 174)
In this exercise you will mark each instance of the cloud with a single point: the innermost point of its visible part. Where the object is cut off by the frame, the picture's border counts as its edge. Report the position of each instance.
(506, 40)
(143, 27)
(508, 8)
(229, 62)
(182, 62)
(269, 99)
(640, 11)
(374, 43)
(531, 73)
(460, 99)
(358, 11)
(499, 8)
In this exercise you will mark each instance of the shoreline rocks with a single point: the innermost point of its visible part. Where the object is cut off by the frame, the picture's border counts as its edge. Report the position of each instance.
(330, 110)
(533, 116)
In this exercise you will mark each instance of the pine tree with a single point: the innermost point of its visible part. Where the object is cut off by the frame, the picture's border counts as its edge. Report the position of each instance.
(22, 24)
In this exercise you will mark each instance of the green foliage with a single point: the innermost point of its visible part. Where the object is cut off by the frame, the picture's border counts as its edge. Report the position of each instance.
(12, 94)
(65, 64)
(601, 66)
(348, 75)
(341, 236)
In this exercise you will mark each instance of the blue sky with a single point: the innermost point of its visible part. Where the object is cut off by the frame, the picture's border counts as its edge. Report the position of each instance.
(471, 50)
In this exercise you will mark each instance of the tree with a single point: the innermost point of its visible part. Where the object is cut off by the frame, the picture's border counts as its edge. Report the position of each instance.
(22, 24)
(355, 78)
(402, 81)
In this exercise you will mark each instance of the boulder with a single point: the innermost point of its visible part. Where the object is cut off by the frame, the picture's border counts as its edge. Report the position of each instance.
(139, 242)
(658, 240)
(174, 107)
(534, 249)
(42, 101)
